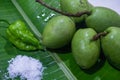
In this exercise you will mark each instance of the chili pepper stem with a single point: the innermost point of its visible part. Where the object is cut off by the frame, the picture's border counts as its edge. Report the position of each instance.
(5, 21)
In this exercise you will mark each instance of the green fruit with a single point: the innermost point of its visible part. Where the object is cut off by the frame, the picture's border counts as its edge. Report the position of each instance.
(111, 46)
(84, 49)
(101, 18)
(75, 6)
(58, 32)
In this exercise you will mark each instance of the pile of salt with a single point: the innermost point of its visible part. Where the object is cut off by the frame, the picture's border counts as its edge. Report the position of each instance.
(25, 67)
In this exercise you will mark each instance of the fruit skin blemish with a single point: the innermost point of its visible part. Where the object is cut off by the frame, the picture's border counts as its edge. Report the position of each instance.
(25, 67)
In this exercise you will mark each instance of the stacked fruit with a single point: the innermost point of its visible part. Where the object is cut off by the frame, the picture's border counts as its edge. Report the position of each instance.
(101, 31)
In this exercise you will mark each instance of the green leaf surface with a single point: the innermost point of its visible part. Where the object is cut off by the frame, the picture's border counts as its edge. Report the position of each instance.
(54, 69)
(36, 16)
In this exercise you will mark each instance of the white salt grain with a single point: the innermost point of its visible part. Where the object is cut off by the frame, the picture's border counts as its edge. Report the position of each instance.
(25, 67)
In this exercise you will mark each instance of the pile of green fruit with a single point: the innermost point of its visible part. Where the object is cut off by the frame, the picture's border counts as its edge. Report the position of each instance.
(101, 32)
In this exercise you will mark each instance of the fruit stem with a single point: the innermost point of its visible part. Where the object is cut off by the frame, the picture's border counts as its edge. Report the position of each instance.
(97, 36)
(63, 13)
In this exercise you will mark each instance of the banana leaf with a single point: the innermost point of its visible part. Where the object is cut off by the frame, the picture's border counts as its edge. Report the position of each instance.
(55, 68)
(60, 63)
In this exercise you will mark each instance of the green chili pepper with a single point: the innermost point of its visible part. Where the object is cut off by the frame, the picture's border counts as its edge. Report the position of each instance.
(21, 37)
